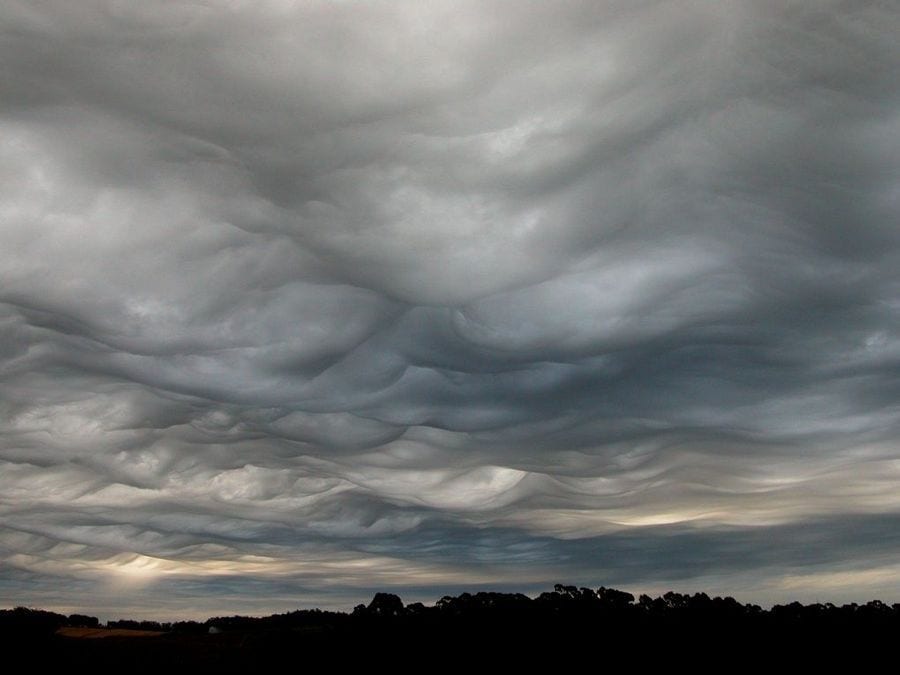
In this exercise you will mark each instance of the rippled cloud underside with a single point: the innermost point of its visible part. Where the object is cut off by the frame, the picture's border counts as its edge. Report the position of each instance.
(303, 300)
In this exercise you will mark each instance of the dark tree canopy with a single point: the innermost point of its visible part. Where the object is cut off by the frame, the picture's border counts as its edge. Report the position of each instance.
(557, 624)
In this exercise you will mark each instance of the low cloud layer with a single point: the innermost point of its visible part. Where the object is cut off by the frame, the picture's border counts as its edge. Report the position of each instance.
(302, 300)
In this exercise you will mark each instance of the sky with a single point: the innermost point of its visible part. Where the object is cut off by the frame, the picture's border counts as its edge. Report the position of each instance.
(300, 301)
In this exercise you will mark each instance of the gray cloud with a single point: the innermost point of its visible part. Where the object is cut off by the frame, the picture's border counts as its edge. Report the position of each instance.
(308, 299)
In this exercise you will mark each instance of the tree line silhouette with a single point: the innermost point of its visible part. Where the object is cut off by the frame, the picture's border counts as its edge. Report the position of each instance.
(558, 624)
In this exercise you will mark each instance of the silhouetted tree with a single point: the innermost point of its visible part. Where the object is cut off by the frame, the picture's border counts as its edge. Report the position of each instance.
(385, 604)
(610, 597)
(83, 621)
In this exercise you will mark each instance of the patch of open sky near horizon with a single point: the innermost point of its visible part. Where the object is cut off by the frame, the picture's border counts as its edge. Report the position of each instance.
(304, 300)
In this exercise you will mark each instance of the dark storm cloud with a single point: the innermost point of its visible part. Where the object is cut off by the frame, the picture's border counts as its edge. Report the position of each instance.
(334, 296)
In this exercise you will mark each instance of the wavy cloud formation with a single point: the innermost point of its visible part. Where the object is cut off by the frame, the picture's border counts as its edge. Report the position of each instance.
(301, 300)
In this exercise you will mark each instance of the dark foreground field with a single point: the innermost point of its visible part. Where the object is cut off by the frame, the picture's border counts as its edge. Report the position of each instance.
(567, 628)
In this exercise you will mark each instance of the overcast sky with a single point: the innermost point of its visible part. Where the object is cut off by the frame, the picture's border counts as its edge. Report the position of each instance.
(304, 300)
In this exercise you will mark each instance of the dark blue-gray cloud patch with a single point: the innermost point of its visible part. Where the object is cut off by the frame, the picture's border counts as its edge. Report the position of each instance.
(314, 299)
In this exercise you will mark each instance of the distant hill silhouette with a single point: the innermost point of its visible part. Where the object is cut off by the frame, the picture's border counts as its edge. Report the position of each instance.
(553, 628)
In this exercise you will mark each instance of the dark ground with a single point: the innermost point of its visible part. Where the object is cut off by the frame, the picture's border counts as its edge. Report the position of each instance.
(566, 628)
